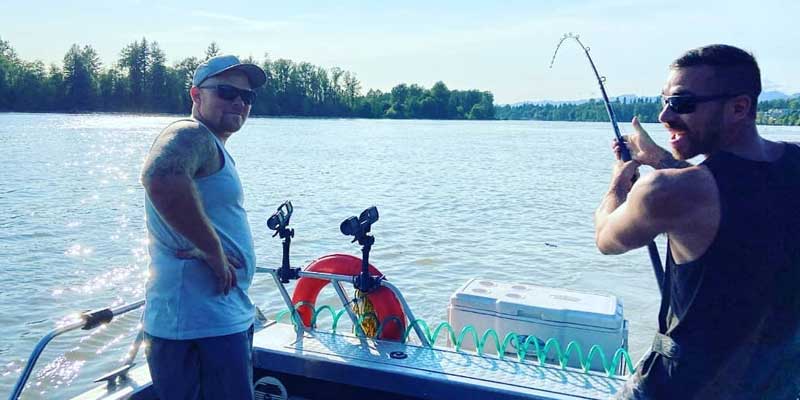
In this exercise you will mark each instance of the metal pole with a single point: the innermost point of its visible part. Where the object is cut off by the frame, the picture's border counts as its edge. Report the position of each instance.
(284, 295)
(337, 285)
(409, 314)
(37, 351)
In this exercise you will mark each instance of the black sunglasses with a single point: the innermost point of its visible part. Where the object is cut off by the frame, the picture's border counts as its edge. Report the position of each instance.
(687, 103)
(228, 92)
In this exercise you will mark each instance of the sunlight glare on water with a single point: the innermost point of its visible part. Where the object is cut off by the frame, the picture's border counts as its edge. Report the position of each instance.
(501, 200)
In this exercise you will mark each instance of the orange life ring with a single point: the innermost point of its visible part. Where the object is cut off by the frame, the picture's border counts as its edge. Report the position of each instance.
(387, 307)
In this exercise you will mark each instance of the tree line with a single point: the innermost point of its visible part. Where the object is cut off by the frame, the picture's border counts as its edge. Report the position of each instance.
(780, 112)
(140, 81)
(772, 112)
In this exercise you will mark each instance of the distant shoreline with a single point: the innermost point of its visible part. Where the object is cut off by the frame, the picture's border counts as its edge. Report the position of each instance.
(779, 112)
(144, 114)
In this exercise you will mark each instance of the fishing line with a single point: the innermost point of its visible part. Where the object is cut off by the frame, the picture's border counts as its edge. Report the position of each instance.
(625, 153)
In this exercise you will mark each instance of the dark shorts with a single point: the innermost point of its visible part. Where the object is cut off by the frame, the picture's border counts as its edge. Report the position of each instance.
(771, 374)
(211, 368)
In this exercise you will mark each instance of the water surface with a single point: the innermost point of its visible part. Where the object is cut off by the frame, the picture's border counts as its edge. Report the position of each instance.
(502, 200)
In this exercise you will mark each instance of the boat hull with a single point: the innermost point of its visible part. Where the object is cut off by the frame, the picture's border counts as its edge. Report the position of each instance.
(324, 365)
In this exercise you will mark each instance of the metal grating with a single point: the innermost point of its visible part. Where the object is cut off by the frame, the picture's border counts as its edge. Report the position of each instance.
(446, 364)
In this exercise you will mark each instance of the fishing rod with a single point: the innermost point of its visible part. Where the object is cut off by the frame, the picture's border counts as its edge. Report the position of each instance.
(624, 152)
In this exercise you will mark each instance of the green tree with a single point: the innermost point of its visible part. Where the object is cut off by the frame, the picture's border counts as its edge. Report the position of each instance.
(80, 78)
(159, 97)
(8, 65)
(266, 104)
(134, 60)
(483, 109)
(140, 81)
(352, 89)
(440, 95)
(112, 90)
(212, 50)
(181, 76)
(55, 88)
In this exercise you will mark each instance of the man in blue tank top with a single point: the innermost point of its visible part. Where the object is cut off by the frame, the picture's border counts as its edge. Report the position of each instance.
(198, 318)
(731, 311)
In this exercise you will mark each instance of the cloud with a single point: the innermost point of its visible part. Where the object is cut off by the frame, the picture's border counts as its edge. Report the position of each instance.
(241, 23)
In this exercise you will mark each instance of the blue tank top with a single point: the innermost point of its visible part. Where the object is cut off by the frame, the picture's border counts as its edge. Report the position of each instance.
(182, 301)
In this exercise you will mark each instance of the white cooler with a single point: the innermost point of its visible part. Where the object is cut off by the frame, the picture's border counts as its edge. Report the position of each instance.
(566, 315)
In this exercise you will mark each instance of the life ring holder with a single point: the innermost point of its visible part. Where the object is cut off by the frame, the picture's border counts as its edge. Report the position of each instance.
(388, 309)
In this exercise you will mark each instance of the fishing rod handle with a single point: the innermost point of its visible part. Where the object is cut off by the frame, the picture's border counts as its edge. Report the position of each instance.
(624, 151)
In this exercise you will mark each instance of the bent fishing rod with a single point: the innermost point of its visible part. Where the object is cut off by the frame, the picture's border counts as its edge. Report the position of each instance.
(624, 152)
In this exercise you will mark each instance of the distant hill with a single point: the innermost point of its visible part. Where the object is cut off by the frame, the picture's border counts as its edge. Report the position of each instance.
(627, 98)
(776, 95)
(773, 95)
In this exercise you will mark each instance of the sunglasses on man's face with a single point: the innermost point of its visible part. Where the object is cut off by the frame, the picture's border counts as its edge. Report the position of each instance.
(228, 92)
(687, 103)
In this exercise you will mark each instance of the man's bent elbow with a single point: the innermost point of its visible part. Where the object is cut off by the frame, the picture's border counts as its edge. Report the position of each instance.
(609, 247)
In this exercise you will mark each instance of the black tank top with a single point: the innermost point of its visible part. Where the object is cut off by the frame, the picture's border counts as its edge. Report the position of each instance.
(746, 286)
(735, 311)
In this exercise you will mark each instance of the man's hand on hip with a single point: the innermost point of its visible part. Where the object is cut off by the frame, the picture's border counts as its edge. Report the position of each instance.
(224, 266)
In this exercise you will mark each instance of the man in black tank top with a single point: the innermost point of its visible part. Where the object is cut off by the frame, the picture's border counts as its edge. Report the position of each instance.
(732, 279)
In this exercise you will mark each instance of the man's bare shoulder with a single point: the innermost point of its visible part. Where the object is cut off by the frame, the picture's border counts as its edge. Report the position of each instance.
(669, 192)
(183, 147)
(681, 179)
(185, 131)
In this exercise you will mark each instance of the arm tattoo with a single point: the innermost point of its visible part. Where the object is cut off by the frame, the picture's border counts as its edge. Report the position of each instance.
(180, 152)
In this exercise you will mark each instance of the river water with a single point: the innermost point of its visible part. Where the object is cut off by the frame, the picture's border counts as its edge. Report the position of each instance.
(502, 200)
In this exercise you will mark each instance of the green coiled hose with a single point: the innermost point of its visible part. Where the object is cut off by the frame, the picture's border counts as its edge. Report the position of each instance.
(540, 352)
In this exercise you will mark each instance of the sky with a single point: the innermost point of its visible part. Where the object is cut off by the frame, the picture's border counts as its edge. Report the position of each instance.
(501, 46)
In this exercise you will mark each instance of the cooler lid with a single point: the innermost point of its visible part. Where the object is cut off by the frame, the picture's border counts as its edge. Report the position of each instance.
(540, 302)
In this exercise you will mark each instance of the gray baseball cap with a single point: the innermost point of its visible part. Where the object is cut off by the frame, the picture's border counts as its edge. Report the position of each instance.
(219, 64)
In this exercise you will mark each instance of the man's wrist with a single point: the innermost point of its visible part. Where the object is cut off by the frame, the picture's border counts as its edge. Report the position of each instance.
(617, 193)
(215, 252)
(614, 197)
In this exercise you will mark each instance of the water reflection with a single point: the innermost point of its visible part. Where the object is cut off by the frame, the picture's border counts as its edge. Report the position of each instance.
(457, 200)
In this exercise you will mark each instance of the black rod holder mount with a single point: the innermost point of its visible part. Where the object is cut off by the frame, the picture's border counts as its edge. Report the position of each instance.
(279, 222)
(359, 227)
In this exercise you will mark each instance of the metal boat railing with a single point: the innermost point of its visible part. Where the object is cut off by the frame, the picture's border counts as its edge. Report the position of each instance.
(337, 281)
(92, 319)
(358, 227)
(88, 321)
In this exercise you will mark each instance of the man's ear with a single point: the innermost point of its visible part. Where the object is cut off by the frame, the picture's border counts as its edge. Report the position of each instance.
(194, 93)
(741, 107)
